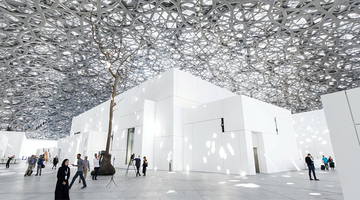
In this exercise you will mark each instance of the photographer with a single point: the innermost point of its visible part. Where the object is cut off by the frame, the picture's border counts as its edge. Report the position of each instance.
(137, 164)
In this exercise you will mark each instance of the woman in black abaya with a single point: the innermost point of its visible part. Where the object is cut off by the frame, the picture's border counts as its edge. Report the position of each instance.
(62, 185)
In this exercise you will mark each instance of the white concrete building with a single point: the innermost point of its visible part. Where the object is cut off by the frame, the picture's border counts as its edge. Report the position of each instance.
(177, 118)
(342, 111)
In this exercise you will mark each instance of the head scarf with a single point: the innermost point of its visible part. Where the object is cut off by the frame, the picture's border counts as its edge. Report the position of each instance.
(63, 163)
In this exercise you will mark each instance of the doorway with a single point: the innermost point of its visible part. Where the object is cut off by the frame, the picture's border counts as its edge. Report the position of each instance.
(129, 145)
(256, 160)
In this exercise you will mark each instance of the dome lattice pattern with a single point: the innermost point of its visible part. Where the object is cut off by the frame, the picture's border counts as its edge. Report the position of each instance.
(286, 52)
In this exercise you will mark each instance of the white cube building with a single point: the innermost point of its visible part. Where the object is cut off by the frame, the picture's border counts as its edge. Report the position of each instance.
(180, 122)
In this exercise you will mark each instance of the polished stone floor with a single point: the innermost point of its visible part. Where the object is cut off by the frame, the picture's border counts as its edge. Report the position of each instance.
(179, 185)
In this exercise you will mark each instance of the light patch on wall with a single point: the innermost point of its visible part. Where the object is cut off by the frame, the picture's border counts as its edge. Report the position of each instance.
(139, 131)
(190, 146)
(116, 128)
(214, 135)
(137, 117)
(169, 156)
(69, 149)
(308, 140)
(213, 147)
(186, 139)
(243, 173)
(301, 142)
(161, 144)
(208, 153)
(227, 171)
(231, 150)
(222, 153)
(155, 168)
(232, 135)
(187, 167)
(218, 168)
(102, 109)
(143, 89)
(208, 143)
(290, 183)
(222, 182)
(324, 142)
(205, 160)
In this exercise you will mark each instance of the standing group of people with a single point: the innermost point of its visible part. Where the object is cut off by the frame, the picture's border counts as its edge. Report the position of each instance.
(326, 162)
(32, 161)
(138, 164)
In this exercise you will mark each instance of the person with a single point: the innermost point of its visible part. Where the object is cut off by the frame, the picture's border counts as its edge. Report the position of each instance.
(331, 162)
(310, 163)
(145, 164)
(96, 162)
(9, 160)
(32, 163)
(325, 161)
(40, 163)
(62, 184)
(137, 164)
(80, 168)
(55, 162)
(87, 168)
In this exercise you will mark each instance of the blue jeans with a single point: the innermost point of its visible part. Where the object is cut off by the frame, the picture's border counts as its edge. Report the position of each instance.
(312, 169)
(78, 173)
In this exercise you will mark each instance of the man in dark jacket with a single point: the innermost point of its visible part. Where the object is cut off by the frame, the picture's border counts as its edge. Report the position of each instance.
(310, 163)
(137, 164)
(40, 162)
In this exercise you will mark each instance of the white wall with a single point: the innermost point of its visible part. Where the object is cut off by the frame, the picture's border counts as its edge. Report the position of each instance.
(3, 144)
(312, 135)
(243, 117)
(15, 140)
(87, 144)
(154, 108)
(342, 113)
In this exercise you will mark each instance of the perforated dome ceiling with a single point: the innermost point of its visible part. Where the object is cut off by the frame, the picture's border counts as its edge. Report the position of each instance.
(285, 53)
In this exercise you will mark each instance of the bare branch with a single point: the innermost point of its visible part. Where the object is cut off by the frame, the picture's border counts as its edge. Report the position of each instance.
(125, 60)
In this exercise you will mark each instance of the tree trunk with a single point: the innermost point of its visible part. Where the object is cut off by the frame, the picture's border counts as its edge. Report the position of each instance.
(105, 166)
(111, 110)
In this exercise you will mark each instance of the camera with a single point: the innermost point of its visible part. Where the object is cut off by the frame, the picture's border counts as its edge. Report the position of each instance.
(132, 156)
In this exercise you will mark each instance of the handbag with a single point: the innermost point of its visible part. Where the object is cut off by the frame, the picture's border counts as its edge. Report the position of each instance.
(42, 166)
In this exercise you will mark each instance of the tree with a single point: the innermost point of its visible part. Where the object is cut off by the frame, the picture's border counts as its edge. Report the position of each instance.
(110, 41)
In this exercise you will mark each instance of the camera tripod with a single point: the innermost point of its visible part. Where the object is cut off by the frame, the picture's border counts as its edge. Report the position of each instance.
(112, 178)
(130, 163)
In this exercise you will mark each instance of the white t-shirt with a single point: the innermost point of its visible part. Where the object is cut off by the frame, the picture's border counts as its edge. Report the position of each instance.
(96, 162)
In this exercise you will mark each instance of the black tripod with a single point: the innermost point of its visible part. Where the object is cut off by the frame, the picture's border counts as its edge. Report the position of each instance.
(130, 163)
(112, 177)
